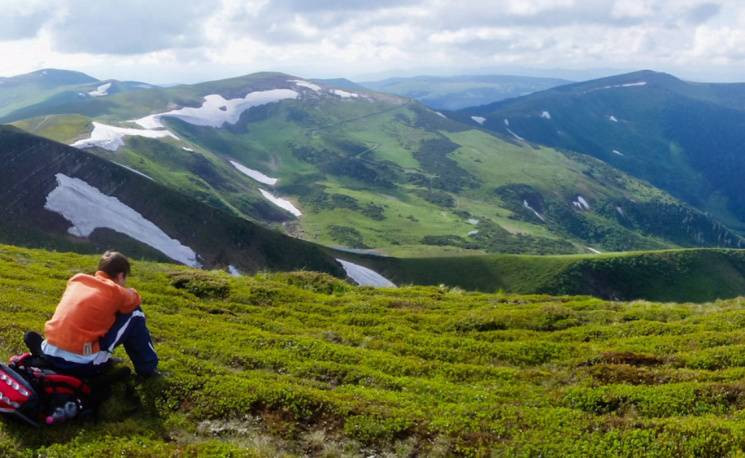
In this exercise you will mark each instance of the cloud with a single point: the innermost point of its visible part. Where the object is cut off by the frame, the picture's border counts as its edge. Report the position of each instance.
(22, 20)
(348, 37)
(131, 27)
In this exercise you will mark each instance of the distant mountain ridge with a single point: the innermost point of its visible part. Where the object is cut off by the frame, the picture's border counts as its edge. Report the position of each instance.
(367, 170)
(685, 138)
(456, 92)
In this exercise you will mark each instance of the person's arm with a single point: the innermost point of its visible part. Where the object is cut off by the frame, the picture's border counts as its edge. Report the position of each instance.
(130, 300)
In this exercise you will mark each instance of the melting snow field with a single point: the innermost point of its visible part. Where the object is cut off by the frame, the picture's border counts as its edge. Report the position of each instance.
(284, 204)
(306, 84)
(101, 90)
(87, 209)
(112, 137)
(254, 174)
(344, 94)
(581, 203)
(216, 110)
(636, 84)
(515, 135)
(479, 119)
(527, 205)
(364, 276)
(133, 170)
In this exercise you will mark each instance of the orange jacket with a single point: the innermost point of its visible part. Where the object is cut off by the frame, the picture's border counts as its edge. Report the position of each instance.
(87, 311)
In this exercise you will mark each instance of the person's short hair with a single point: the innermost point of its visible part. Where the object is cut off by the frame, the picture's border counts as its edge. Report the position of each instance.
(113, 263)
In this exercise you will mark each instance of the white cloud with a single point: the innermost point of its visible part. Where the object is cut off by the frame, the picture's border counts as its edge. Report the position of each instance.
(210, 39)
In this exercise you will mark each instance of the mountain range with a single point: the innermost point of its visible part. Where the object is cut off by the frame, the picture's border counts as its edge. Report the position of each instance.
(684, 138)
(456, 92)
(354, 171)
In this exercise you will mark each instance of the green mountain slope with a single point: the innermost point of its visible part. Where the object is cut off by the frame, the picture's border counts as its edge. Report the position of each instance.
(685, 138)
(456, 92)
(374, 171)
(63, 198)
(305, 365)
(696, 275)
(51, 90)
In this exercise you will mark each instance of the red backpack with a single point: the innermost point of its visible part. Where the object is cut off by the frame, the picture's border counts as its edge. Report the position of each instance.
(38, 395)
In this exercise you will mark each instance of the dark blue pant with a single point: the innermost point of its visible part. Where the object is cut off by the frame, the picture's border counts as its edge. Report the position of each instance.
(129, 330)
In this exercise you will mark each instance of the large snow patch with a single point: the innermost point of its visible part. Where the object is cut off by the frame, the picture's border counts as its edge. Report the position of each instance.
(284, 204)
(216, 110)
(254, 174)
(100, 90)
(112, 137)
(87, 209)
(306, 84)
(364, 276)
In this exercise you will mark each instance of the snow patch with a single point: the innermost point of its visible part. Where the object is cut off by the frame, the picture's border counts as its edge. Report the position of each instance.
(612, 118)
(254, 174)
(100, 90)
(87, 209)
(112, 137)
(306, 84)
(234, 271)
(515, 135)
(364, 276)
(215, 111)
(620, 211)
(614, 86)
(506, 122)
(593, 250)
(581, 203)
(472, 233)
(186, 148)
(284, 204)
(473, 221)
(440, 115)
(133, 170)
(479, 119)
(617, 153)
(538, 215)
(344, 94)
(546, 115)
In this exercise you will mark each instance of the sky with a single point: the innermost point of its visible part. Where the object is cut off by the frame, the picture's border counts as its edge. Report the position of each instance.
(176, 41)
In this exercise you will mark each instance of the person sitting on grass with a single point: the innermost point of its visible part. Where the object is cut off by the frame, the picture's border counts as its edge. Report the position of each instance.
(95, 315)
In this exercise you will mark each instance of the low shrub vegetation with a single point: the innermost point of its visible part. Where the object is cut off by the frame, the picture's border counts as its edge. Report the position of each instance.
(304, 364)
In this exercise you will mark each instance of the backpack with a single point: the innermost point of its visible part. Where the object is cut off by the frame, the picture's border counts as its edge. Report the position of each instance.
(32, 392)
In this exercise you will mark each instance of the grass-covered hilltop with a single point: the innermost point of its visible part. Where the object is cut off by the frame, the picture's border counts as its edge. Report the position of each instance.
(295, 364)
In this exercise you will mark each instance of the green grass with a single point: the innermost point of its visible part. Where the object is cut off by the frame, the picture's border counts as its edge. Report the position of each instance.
(698, 275)
(304, 364)
(430, 174)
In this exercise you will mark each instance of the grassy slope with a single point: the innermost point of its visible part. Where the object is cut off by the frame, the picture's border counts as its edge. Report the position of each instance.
(313, 366)
(676, 135)
(676, 275)
(389, 136)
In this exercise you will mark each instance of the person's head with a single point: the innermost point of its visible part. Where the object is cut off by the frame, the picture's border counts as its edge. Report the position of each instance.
(116, 266)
